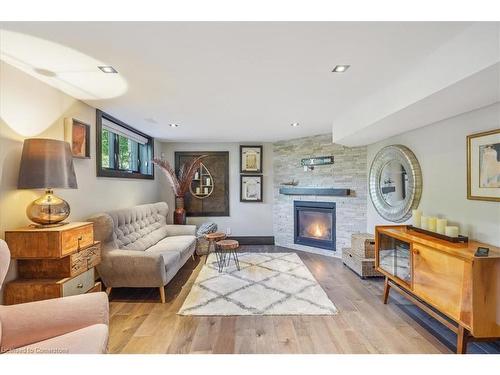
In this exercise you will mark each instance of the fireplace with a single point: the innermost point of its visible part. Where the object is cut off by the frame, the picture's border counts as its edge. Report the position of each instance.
(314, 224)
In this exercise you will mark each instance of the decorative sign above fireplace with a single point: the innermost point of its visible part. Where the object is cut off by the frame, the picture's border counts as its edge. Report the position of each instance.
(314, 224)
(319, 160)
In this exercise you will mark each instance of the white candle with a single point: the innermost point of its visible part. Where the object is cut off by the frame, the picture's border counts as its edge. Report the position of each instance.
(205, 190)
(451, 231)
(424, 222)
(431, 223)
(196, 176)
(208, 181)
(417, 215)
(441, 225)
(198, 190)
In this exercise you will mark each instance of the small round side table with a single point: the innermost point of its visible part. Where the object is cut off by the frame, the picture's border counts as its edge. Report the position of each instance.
(212, 238)
(226, 248)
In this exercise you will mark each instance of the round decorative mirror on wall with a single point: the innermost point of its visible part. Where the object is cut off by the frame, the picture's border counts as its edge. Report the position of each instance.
(395, 183)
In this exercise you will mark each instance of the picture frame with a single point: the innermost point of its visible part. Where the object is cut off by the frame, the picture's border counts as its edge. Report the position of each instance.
(250, 159)
(251, 188)
(77, 134)
(483, 166)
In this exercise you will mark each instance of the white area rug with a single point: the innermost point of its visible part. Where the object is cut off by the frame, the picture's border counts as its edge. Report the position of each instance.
(267, 284)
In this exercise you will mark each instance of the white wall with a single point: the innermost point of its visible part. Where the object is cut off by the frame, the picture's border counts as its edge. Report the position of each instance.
(441, 151)
(246, 219)
(30, 108)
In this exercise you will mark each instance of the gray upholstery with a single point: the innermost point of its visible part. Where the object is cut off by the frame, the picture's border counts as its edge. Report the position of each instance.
(139, 248)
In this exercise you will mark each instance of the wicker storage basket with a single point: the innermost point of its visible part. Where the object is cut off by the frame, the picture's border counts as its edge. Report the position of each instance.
(362, 266)
(363, 245)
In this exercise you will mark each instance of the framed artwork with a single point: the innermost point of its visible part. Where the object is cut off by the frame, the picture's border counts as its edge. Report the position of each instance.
(77, 134)
(250, 188)
(209, 191)
(483, 166)
(251, 159)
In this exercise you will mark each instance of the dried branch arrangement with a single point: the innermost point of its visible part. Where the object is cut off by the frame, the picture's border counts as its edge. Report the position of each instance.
(180, 183)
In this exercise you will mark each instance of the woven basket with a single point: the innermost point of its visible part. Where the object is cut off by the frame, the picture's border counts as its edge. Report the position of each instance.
(362, 266)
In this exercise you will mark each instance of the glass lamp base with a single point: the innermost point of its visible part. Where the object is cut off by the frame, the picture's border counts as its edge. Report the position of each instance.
(48, 211)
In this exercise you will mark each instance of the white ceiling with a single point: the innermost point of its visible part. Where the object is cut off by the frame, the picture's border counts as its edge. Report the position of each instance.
(244, 82)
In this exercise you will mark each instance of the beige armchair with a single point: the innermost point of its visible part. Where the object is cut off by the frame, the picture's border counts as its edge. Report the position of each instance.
(75, 325)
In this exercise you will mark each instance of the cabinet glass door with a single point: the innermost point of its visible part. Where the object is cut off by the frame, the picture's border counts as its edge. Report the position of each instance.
(394, 257)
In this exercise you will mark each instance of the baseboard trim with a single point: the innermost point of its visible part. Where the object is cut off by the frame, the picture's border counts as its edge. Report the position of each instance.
(253, 240)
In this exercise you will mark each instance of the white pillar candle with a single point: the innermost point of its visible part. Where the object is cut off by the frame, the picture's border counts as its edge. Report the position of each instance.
(431, 223)
(208, 181)
(423, 222)
(196, 176)
(198, 190)
(441, 225)
(417, 215)
(205, 190)
(451, 231)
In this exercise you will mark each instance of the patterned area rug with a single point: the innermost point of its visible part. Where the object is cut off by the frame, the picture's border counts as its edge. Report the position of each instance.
(267, 284)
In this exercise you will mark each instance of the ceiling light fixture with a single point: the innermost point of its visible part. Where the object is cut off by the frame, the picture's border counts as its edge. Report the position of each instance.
(174, 125)
(340, 68)
(294, 124)
(108, 69)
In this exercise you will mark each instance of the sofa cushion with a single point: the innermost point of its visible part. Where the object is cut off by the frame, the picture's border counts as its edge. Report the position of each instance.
(88, 340)
(139, 227)
(178, 244)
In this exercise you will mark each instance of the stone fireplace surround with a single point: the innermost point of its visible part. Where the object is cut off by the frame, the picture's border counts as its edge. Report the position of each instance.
(349, 171)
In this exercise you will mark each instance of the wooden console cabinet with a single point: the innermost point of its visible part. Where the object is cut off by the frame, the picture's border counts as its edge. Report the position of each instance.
(444, 279)
(52, 262)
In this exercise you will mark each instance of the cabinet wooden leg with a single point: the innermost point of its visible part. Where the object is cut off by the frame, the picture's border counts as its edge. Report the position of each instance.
(462, 336)
(162, 294)
(108, 291)
(387, 287)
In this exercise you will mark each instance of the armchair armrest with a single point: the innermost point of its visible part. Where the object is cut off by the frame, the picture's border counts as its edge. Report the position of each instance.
(28, 323)
(181, 230)
(124, 268)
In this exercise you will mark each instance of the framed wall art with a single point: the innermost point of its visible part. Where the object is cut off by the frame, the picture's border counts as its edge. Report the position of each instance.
(77, 134)
(483, 166)
(250, 159)
(250, 188)
(209, 191)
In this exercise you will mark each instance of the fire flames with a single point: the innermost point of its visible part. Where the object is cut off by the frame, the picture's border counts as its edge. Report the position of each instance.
(317, 230)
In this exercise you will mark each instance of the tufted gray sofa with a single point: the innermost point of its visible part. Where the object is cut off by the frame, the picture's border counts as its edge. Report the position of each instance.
(139, 248)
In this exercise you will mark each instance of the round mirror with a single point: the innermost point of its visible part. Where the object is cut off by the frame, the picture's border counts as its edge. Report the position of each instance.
(395, 183)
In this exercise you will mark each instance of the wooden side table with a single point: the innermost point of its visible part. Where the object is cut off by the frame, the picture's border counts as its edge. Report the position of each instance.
(226, 248)
(212, 238)
(53, 262)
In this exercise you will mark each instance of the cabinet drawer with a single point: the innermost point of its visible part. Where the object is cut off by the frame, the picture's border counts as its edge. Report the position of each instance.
(49, 243)
(443, 281)
(77, 238)
(69, 266)
(79, 284)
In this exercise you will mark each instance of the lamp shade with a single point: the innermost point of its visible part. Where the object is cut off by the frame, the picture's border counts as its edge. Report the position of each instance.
(46, 163)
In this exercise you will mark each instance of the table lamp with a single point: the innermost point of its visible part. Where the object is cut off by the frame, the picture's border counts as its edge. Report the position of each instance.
(47, 164)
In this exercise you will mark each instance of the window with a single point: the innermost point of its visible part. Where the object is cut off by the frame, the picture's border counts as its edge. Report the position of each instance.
(122, 151)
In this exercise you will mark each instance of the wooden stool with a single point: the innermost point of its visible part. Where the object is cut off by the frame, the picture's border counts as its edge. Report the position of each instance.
(212, 238)
(227, 248)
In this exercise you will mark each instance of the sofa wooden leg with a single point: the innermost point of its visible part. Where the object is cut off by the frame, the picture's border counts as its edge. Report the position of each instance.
(162, 294)
(108, 291)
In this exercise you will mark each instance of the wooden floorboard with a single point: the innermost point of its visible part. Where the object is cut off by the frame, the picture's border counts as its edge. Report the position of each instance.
(140, 324)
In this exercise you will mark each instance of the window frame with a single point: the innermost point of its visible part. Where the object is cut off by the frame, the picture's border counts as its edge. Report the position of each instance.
(117, 173)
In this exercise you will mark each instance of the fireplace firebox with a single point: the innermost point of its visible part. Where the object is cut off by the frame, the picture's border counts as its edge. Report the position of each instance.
(314, 224)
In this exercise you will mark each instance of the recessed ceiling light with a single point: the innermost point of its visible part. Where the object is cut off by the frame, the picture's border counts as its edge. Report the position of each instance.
(108, 69)
(340, 68)
(294, 124)
(174, 125)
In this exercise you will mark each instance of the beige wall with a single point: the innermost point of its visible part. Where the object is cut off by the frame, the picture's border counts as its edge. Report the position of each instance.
(441, 151)
(30, 108)
(246, 219)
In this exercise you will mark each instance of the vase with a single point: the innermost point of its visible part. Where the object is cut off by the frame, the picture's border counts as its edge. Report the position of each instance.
(180, 212)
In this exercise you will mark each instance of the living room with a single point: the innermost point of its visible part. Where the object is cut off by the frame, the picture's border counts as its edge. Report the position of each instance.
(250, 187)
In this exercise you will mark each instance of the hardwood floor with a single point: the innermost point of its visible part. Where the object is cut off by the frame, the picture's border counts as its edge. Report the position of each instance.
(140, 324)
